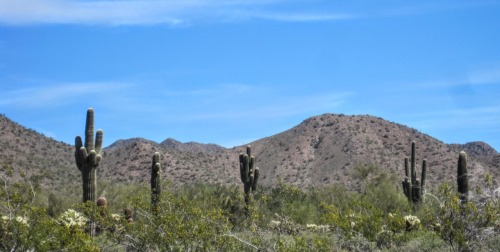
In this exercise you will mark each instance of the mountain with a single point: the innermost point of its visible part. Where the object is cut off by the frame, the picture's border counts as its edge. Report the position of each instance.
(331, 148)
(31, 153)
(322, 150)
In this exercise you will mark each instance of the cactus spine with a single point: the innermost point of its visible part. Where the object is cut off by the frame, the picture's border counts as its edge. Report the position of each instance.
(414, 188)
(87, 160)
(249, 173)
(462, 177)
(155, 182)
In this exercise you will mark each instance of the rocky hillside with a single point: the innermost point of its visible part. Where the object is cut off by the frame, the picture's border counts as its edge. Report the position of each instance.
(31, 153)
(331, 148)
(322, 150)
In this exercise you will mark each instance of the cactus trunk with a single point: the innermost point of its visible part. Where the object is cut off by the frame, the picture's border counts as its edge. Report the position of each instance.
(423, 177)
(155, 183)
(413, 164)
(413, 188)
(249, 173)
(462, 177)
(87, 160)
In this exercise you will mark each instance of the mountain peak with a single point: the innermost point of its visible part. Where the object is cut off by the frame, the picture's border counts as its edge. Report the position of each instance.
(322, 150)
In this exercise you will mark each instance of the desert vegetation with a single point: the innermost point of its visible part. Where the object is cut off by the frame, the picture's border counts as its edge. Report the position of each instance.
(207, 217)
(380, 214)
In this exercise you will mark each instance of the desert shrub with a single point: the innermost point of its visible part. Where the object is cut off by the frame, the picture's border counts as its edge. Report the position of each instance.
(27, 227)
(182, 224)
(204, 217)
(464, 226)
(382, 193)
(290, 201)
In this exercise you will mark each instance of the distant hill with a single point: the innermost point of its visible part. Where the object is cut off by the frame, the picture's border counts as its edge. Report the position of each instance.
(322, 150)
(32, 153)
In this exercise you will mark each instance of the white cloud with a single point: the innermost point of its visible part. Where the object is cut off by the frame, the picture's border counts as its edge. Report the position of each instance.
(53, 95)
(184, 12)
(134, 12)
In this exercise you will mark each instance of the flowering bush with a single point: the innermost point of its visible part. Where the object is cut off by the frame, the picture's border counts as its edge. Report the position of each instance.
(318, 228)
(72, 218)
(412, 222)
(19, 219)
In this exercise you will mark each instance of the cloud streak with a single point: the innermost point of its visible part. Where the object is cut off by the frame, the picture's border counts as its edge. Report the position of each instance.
(146, 12)
(55, 95)
(186, 12)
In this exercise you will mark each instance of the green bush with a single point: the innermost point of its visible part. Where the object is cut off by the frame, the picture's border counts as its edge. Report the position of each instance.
(203, 217)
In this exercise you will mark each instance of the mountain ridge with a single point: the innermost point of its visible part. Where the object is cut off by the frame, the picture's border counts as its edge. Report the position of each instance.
(321, 150)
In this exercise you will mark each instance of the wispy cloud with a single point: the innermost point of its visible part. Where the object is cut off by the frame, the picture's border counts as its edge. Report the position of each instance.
(290, 16)
(185, 12)
(134, 12)
(54, 95)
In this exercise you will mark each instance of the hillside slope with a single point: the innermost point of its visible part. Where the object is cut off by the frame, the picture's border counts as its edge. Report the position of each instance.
(329, 148)
(322, 150)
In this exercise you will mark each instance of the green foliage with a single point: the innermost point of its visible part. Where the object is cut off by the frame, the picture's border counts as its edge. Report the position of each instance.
(25, 226)
(180, 225)
(362, 171)
(203, 217)
(464, 226)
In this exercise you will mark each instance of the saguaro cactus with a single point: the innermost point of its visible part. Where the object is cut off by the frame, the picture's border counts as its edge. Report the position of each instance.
(88, 158)
(155, 182)
(462, 177)
(413, 188)
(249, 173)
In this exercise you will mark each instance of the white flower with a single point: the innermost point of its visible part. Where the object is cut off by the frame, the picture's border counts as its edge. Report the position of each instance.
(313, 227)
(72, 218)
(116, 217)
(320, 228)
(274, 223)
(22, 220)
(19, 219)
(324, 228)
(411, 221)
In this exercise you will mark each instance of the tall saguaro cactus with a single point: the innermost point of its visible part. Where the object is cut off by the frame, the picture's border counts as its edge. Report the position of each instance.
(155, 182)
(249, 173)
(462, 177)
(87, 160)
(89, 156)
(413, 188)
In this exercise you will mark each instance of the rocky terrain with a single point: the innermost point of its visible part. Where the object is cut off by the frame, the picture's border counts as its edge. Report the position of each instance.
(322, 150)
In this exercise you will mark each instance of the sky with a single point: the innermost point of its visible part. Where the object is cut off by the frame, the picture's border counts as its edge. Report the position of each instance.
(233, 71)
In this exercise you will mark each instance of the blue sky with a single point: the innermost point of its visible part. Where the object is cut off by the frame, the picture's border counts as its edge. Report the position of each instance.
(230, 72)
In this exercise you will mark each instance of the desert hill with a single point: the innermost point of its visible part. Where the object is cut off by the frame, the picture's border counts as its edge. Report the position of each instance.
(322, 150)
